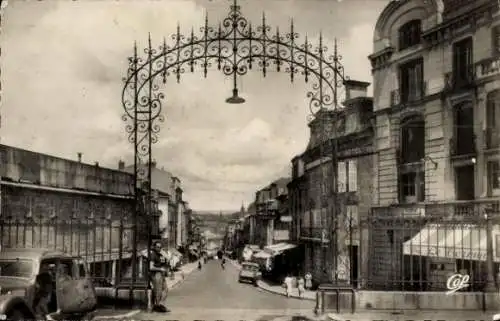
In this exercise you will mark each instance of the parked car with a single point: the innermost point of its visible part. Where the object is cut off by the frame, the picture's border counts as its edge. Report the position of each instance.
(72, 296)
(249, 272)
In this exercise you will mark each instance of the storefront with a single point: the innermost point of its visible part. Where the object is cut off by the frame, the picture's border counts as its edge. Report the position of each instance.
(439, 251)
(278, 260)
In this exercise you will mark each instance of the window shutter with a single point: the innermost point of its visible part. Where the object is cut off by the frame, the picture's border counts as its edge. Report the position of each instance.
(342, 177)
(353, 175)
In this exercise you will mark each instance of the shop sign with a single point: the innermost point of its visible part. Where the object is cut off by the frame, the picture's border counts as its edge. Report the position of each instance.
(457, 282)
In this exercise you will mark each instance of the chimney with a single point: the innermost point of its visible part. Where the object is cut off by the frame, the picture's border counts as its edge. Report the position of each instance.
(355, 89)
(121, 165)
(79, 157)
(96, 164)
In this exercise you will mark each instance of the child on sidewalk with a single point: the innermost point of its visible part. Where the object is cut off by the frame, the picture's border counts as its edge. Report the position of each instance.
(301, 286)
(288, 285)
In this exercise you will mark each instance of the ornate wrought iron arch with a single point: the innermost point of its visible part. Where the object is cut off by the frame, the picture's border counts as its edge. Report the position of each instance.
(234, 47)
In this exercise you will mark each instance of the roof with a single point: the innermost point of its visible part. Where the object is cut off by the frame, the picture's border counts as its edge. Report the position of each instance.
(31, 253)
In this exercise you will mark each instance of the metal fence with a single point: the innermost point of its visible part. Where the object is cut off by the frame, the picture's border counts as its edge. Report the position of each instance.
(106, 244)
(434, 249)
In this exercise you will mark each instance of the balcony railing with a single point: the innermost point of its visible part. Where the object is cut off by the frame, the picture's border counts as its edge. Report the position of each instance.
(488, 67)
(412, 95)
(454, 209)
(492, 138)
(465, 209)
(462, 148)
(314, 233)
(460, 79)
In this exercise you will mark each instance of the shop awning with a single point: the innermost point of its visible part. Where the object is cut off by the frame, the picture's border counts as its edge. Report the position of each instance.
(262, 255)
(457, 241)
(277, 249)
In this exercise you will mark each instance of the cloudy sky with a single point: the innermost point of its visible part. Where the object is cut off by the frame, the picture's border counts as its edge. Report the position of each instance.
(62, 67)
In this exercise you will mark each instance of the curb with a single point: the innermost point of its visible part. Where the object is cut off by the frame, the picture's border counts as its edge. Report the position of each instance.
(117, 316)
(259, 284)
(179, 281)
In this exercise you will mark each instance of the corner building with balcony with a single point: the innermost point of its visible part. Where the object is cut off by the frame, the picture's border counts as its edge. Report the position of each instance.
(334, 251)
(436, 175)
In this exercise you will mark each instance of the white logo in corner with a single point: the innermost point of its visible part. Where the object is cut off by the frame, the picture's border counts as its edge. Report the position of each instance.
(457, 282)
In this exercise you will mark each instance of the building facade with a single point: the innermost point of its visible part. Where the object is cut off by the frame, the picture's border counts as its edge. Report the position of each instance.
(82, 209)
(272, 219)
(437, 104)
(345, 137)
(168, 205)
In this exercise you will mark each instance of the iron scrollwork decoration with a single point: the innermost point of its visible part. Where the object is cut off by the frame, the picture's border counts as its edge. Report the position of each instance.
(234, 47)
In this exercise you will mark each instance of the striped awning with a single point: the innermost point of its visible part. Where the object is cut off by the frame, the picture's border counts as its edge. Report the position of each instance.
(460, 241)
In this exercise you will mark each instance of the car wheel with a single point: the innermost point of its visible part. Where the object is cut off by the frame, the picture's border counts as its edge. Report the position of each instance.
(15, 315)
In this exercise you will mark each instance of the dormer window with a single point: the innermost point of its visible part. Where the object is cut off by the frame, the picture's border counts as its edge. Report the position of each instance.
(410, 34)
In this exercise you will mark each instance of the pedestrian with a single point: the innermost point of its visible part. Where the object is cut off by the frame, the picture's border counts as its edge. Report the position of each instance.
(288, 285)
(308, 278)
(159, 270)
(199, 265)
(301, 286)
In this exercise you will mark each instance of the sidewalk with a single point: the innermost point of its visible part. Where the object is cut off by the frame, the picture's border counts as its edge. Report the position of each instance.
(412, 315)
(277, 289)
(181, 275)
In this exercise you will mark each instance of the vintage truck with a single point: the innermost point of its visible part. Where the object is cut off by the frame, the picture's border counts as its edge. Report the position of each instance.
(72, 293)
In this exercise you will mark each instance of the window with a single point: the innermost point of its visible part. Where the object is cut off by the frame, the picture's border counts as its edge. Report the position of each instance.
(496, 40)
(493, 119)
(412, 187)
(347, 176)
(352, 170)
(341, 177)
(462, 62)
(351, 123)
(494, 175)
(411, 81)
(464, 140)
(409, 34)
(464, 182)
(412, 140)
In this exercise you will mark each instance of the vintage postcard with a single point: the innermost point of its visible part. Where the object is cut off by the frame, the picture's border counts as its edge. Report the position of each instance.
(250, 160)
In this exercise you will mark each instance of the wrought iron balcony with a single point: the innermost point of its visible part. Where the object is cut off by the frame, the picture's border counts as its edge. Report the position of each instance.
(462, 209)
(460, 79)
(492, 138)
(471, 209)
(462, 147)
(488, 67)
(413, 95)
(314, 233)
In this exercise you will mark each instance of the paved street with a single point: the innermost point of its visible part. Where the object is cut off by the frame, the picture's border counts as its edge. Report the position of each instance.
(213, 293)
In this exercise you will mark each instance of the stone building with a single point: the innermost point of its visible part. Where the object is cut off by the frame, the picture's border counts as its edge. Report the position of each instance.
(168, 203)
(82, 209)
(437, 100)
(332, 251)
(272, 219)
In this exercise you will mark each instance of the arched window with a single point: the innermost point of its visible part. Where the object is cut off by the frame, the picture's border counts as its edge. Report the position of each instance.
(410, 34)
(411, 169)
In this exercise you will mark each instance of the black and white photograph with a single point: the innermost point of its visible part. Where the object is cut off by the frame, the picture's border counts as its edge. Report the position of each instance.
(256, 160)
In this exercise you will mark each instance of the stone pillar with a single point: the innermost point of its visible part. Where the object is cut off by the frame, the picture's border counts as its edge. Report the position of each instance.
(114, 277)
(490, 281)
(141, 268)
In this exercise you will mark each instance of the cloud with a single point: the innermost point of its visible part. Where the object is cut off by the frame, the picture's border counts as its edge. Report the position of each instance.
(62, 68)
